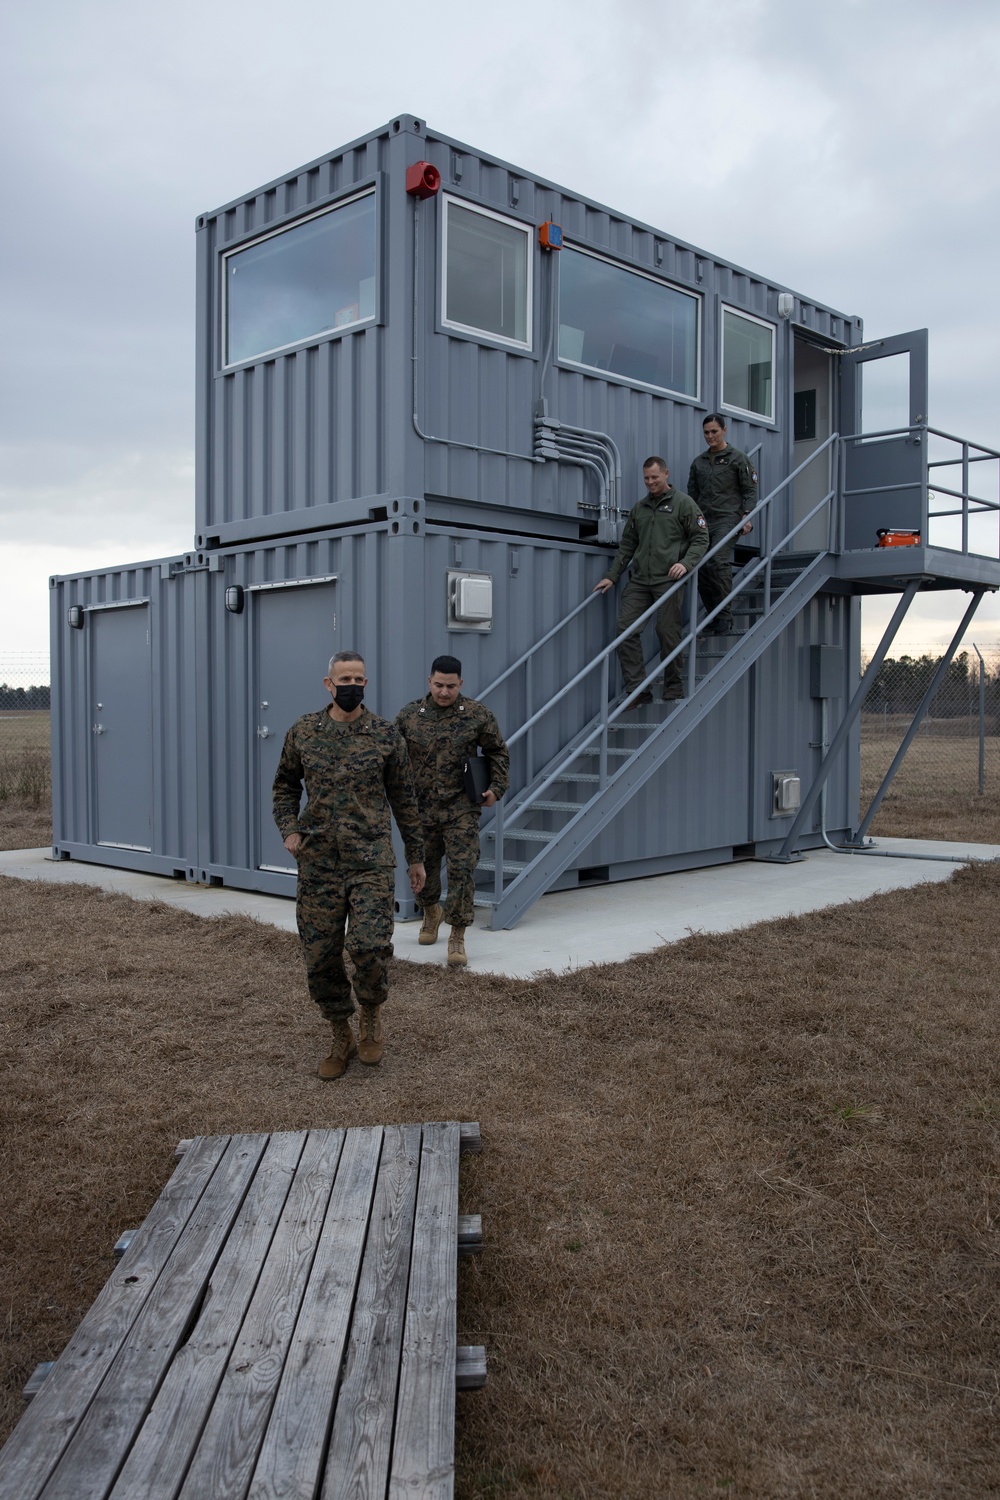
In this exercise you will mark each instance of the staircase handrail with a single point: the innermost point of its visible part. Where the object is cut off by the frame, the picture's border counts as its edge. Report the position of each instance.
(591, 598)
(680, 583)
(542, 641)
(609, 716)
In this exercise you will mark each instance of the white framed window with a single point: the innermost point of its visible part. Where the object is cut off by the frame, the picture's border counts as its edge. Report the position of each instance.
(625, 323)
(747, 364)
(309, 279)
(485, 274)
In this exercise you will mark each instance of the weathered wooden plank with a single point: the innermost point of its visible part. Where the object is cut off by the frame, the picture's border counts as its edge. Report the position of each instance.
(102, 1440)
(291, 1460)
(361, 1440)
(423, 1453)
(231, 1440)
(471, 1140)
(40, 1438)
(164, 1445)
(470, 1367)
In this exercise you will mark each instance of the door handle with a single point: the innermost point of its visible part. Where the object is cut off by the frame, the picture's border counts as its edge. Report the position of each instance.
(263, 732)
(98, 729)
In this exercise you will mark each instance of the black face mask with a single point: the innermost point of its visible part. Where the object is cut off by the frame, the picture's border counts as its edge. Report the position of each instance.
(348, 696)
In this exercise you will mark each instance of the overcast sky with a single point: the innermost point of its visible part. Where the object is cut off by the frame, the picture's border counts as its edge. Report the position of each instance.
(848, 149)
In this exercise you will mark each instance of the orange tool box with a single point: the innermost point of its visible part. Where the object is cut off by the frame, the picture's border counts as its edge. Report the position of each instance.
(897, 537)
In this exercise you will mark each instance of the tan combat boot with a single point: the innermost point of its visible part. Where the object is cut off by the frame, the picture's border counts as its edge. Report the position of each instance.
(344, 1047)
(456, 948)
(370, 1035)
(429, 926)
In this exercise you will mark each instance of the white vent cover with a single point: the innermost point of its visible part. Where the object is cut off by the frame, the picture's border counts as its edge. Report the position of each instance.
(470, 601)
(786, 791)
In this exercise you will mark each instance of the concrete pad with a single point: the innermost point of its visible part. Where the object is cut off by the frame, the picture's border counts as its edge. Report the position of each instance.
(601, 924)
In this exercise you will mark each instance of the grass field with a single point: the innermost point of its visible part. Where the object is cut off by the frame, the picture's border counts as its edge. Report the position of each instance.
(741, 1196)
(24, 729)
(935, 792)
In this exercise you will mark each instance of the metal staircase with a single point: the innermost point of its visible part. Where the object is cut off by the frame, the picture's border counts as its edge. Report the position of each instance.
(536, 834)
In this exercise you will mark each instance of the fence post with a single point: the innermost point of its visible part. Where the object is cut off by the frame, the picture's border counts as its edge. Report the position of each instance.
(982, 719)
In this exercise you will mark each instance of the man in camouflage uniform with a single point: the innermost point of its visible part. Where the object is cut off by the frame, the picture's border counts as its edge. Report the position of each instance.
(664, 537)
(351, 762)
(723, 482)
(442, 731)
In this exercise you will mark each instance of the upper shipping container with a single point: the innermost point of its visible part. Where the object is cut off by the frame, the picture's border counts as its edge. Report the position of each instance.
(361, 345)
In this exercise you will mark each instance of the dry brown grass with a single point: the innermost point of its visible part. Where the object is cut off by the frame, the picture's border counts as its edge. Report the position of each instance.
(24, 729)
(740, 1196)
(25, 826)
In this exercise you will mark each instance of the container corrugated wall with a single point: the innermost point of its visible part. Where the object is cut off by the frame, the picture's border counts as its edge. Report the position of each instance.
(172, 700)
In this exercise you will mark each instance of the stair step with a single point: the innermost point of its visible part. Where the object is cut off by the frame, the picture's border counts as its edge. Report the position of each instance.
(510, 866)
(576, 776)
(518, 835)
(567, 807)
(617, 750)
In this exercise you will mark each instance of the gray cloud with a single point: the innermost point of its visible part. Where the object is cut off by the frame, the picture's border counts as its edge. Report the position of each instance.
(847, 149)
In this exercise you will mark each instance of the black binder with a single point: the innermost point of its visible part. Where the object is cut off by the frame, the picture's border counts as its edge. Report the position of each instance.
(476, 775)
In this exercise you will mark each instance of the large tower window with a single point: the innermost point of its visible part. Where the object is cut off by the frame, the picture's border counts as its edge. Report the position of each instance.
(624, 323)
(312, 279)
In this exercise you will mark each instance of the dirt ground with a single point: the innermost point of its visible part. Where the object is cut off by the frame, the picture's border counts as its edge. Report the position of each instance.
(741, 1196)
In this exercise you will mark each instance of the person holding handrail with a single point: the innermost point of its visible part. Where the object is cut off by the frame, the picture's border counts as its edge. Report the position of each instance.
(664, 537)
(723, 482)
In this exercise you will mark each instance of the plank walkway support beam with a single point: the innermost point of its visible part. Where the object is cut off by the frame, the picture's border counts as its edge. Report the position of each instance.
(283, 1324)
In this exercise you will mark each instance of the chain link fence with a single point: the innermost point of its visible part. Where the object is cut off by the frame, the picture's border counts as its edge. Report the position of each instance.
(25, 768)
(947, 785)
(951, 771)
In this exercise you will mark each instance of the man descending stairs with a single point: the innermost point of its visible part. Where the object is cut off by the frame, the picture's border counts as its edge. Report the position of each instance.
(664, 538)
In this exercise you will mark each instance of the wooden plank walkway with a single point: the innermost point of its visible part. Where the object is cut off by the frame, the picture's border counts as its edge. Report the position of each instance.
(282, 1327)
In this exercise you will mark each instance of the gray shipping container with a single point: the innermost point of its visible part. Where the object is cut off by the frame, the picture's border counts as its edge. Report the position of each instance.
(175, 693)
(426, 384)
(419, 385)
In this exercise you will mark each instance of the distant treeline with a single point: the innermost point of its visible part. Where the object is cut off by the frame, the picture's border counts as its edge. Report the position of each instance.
(23, 697)
(900, 686)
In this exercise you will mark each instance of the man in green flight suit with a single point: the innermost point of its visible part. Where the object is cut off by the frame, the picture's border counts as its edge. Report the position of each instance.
(664, 537)
(723, 482)
(355, 767)
(444, 730)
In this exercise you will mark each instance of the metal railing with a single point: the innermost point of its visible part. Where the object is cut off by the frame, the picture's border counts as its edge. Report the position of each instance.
(971, 505)
(968, 455)
(757, 576)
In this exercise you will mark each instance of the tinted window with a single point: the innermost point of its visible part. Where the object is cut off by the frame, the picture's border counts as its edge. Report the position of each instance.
(616, 320)
(747, 364)
(311, 279)
(486, 274)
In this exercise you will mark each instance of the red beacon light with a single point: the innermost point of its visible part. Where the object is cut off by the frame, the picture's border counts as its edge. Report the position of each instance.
(422, 179)
(550, 235)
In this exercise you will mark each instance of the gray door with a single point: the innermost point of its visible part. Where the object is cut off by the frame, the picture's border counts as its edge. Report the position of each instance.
(121, 719)
(294, 631)
(812, 425)
(883, 411)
